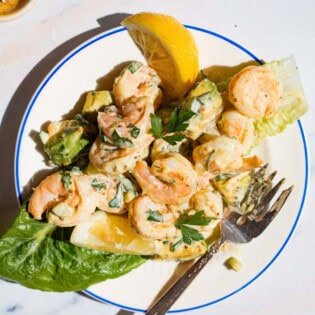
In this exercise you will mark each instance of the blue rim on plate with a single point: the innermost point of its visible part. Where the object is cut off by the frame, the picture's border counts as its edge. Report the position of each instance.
(109, 33)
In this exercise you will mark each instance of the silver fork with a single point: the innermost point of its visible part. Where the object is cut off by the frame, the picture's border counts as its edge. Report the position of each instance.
(235, 228)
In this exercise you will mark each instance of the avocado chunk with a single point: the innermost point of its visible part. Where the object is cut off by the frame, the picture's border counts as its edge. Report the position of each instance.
(96, 101)
(233, 187)
(206, 102)
(233, 263)
(68, 141)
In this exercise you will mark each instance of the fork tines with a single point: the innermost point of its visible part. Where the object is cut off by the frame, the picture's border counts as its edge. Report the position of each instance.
(277, 205)
(266, 198)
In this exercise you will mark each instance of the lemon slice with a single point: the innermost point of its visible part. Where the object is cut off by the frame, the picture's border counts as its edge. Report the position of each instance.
(168, 47)
(112, 233)
(6, 7)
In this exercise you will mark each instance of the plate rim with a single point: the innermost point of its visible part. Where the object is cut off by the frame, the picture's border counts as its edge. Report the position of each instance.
(108, 33)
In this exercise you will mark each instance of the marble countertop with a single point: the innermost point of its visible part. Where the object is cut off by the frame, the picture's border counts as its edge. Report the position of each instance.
(32, 44)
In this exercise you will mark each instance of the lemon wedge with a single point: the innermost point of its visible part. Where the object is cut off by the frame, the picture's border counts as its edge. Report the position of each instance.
(112, 233)
(168, 47)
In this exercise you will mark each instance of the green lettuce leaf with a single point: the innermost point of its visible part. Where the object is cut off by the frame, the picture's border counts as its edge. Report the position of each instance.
(31, 255)
(293, 100)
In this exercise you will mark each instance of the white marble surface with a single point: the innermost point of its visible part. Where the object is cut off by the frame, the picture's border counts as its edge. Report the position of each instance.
(270, 29)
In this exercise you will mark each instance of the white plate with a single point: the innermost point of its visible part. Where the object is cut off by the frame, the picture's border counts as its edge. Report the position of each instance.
(287, 153)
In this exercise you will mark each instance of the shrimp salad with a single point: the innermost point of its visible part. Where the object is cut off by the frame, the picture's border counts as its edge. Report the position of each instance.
(161, 174)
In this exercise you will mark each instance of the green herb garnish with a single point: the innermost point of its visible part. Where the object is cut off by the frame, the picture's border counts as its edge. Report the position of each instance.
(134, 66)
(208, 159)
(189, 234)
(196, 219)
(116, 202)
(224, 176)
(178, 120)
(154, 216)
(176, 245)
(135, 132)
(97, 185)
(104, 139)
(177, 123)
(66, 180)
(121, 142)
(156, 125)
(173, 139)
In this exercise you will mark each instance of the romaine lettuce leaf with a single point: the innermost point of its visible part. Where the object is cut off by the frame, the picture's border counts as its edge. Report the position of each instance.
(32, 256)
(293, 103)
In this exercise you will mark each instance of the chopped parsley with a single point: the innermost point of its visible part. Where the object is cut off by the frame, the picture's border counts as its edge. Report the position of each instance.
(190, 235)
(135, 66)
(104, 139)
(224, 176)
(208, 159)
(177, 123)
(179, 120)
(66, 180)
(121, 142)
(154, 216)
(197, 219)
(116, 202)
(176, 245)
(97, 185)
(125, 185)
(173, 139)
(156, 126)
(135, 132)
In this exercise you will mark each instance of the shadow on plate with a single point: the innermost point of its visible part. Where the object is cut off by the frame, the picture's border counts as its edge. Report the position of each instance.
(219, 73)
(17, 106)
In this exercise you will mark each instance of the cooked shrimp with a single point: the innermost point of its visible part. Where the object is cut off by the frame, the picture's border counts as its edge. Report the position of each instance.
(137, 80)
(111, 160)
(93, 192)
(255, 92)
(203, 180)
(51, 191)
(69, 198)
(171, 179)
(160, 146)
(131, 122)
(235, 125)
(206, 102)
(151, 220)
(210, 201)
(221, 154)
(101, 190)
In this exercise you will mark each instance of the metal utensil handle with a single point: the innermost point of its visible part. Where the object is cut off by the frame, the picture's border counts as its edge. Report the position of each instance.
(171, 296)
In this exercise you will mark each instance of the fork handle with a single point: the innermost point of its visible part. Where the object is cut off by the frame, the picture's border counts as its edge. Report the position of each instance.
(173, 293)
